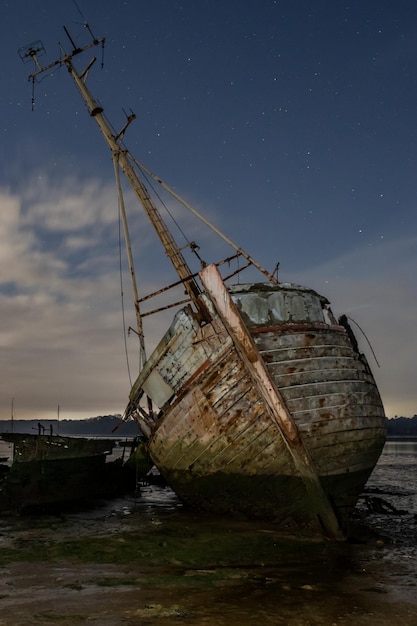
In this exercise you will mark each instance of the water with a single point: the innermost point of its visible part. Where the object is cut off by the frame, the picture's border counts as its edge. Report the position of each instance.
(396, 469)
(390, 499)
(171, 566)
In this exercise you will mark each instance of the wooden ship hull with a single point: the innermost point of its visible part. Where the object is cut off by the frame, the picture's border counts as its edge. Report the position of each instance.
(268, 411)
(30, 447)
(52, 469)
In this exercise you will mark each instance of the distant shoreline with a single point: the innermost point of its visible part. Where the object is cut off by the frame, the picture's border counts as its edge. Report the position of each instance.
(101, 426)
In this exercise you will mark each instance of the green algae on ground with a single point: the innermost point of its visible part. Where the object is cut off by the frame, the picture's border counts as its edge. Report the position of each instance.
(203, 547)
(169, 555)
(181, 553)
(161, 566)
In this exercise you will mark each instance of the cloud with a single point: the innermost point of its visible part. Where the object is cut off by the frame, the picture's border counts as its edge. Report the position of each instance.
(70, 204)
(62, 334)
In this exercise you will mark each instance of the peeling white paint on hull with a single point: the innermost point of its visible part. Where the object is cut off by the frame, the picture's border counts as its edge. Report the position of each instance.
(218, 441)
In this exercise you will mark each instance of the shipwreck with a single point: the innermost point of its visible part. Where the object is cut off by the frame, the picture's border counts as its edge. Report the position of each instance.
(257, 401)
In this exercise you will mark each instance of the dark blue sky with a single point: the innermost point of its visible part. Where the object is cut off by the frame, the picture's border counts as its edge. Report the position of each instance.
(290, 124)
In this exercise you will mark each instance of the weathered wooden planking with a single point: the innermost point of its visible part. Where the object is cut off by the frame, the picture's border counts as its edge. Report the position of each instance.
(212, 435)
(215, 441)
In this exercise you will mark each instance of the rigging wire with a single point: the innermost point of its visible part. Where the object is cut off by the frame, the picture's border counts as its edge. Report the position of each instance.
(122, 209)
(259, 267)
(367, 340)
(122, 295)
(150, 184)
(140, 333)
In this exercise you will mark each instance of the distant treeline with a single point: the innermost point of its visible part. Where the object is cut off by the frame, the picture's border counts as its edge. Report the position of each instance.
(402, 426)
(101, 426)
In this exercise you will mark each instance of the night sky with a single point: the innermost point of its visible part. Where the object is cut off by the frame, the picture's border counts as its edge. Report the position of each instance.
(291, 125)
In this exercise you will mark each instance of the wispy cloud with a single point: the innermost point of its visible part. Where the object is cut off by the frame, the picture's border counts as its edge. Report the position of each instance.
(61, 337)
(61, 334)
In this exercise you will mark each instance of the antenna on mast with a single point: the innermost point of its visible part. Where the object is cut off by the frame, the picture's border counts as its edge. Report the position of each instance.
(85, 24)
(32, 52)
(75, 48)
(93, 37)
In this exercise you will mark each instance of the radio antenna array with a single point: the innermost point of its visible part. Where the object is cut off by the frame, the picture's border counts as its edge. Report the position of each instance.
(32, 52)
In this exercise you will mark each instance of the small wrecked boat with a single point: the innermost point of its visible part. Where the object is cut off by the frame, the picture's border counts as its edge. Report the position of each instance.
(51, 469)
(257, 401)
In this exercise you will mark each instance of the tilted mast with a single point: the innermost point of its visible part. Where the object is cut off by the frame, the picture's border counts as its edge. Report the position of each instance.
(121, 157)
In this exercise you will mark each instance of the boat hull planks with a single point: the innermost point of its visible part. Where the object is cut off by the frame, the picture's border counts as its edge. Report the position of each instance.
(216, 442)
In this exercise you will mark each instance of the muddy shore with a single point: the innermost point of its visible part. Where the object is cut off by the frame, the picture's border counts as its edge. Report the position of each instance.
(148, 561)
